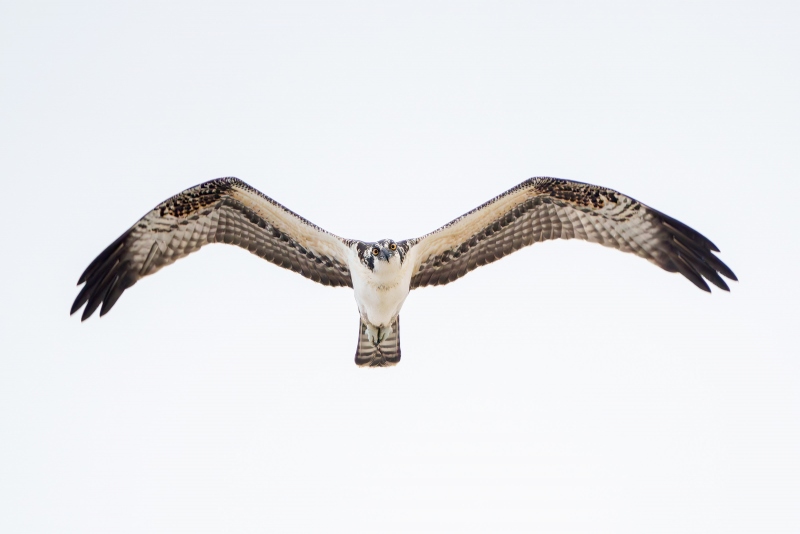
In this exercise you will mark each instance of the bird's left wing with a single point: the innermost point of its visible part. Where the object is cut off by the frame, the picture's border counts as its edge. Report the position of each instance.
(540, 209)
(225, 210)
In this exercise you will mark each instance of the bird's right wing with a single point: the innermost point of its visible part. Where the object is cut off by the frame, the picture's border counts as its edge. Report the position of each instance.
(225, 210)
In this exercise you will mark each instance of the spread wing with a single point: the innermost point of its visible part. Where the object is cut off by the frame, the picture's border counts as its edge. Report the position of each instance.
(550, 208)
(225, 210)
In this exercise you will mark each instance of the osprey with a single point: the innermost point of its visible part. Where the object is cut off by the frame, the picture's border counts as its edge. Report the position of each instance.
(227, 210)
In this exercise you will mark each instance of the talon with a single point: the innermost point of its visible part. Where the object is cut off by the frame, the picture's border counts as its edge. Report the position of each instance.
(373, 334)
(384, 333)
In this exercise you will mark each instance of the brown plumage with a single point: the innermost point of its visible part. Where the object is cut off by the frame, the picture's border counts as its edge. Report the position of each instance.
(541, 209)
(225, 210)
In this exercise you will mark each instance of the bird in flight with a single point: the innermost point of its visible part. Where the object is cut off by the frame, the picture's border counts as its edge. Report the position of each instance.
(382, 273)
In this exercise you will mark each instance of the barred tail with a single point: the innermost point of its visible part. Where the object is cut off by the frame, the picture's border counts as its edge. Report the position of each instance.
(385, 354)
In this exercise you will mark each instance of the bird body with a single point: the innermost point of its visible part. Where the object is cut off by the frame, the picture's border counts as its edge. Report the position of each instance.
(382, 274)
(380, 291)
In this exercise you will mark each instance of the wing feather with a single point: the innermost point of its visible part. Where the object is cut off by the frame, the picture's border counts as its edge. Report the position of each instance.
(225, 210)
(542, 209)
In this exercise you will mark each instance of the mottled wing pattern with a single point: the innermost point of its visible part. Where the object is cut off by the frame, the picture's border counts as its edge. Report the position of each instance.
(540, 209)
(225, 210)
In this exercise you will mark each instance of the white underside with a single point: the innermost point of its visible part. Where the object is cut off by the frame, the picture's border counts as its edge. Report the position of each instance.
(380, 293)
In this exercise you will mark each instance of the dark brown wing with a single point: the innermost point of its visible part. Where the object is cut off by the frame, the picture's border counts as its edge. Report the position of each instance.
(550, 208)
(225, 210)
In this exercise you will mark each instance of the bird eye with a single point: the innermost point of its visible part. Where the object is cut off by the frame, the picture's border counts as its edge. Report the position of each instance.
(376, 251)
(392, 247)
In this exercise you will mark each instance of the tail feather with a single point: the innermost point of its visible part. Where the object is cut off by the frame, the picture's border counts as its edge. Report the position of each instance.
(385, 354)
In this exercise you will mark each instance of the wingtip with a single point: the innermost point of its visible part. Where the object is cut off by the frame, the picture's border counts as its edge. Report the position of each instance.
(86, 314)
(75, 307)
(723, 286)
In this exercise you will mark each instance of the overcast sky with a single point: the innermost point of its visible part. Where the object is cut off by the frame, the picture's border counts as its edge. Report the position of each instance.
(567, 388)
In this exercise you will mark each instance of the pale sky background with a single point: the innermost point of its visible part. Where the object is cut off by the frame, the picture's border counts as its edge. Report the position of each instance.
(567, 388)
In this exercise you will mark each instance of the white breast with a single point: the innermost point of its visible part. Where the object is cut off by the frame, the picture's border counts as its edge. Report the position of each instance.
(380, 293)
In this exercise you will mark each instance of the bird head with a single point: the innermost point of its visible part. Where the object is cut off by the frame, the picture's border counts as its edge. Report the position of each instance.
(381, 254)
